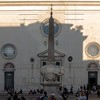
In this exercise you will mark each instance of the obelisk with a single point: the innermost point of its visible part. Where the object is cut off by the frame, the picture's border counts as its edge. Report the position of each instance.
(50, 72)
(51, 57)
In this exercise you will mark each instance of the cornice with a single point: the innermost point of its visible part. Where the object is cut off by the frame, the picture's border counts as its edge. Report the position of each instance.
(48, 3)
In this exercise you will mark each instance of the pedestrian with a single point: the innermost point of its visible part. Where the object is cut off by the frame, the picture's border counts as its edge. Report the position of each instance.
(23, 98)
(52, 97)
(20, 92)
(44, 97)
(98, 92)
(63, 96)
(82, 96)
(87, 94)
(15, 96)
(71, 90)
(9, 98)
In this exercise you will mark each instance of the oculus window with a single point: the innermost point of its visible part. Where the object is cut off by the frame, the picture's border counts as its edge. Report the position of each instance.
(93, 49)
(8, 51)
(45, 27)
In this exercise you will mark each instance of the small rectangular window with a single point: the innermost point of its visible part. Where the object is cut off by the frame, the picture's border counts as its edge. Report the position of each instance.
(58, 78)
(44, 63)
(58, 63)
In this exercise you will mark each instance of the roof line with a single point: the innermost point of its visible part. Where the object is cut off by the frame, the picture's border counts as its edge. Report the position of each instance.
(48, 3)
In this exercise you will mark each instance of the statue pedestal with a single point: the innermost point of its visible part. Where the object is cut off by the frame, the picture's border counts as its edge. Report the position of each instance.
(51, 87)
(50, 74)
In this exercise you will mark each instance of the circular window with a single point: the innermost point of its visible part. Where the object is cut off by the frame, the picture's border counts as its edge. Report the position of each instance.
(8, 51)
(45, 27)
(93, 49)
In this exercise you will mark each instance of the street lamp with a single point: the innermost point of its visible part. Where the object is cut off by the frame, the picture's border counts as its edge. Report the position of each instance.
(70, 58)
(32, 63)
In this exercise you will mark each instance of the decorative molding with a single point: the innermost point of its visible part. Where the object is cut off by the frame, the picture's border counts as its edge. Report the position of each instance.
(56, 53)
(48, 3)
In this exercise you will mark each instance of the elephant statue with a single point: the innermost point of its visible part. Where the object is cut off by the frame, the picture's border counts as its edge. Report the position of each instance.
(50, 72)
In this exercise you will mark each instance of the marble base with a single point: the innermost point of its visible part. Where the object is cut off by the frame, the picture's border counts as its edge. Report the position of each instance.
(51, 87)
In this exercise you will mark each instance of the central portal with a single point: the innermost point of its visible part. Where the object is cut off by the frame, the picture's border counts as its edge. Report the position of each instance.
(92, 78)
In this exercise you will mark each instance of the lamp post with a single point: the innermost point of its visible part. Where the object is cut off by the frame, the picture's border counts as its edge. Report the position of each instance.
(32, 63)
(70, 58)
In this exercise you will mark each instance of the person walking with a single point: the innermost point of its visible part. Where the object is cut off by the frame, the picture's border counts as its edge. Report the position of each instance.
(82, 96)
(44, 97)
(9, 98)
(52, 97)
(87, 94)
(23, 98)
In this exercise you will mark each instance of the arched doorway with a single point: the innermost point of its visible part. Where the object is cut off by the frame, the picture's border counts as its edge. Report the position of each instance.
(92, 74)
(8, 76)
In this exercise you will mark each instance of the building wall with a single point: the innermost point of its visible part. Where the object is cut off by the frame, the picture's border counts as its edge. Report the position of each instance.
(22, 28)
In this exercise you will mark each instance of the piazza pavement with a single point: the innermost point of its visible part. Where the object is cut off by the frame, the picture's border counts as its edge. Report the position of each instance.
(91, 97)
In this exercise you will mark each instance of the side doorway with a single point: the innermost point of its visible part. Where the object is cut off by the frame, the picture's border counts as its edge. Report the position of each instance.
(92, 78)
(9, 76)
(9, 80)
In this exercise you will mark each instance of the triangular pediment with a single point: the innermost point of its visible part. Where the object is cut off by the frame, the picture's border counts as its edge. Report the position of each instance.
(56, 53)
